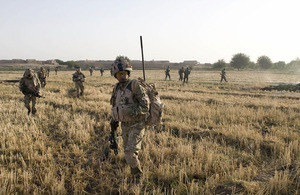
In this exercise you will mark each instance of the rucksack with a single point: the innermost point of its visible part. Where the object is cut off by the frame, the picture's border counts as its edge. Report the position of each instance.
(156, 106)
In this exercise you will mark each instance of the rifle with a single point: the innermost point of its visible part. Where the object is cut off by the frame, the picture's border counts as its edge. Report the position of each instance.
(112, 138)
(27, 91)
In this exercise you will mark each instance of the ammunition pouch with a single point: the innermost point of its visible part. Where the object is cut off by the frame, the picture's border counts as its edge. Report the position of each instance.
(124, 113)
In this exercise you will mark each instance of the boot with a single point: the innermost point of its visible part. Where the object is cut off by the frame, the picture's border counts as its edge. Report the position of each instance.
(33, 110)
(136, 175)
(81, 93)
(28, 112)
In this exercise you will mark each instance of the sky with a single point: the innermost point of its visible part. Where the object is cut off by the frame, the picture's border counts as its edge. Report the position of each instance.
(174, 30)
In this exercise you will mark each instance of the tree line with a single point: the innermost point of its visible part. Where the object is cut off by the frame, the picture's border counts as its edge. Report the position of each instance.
(242, 61)
(238, 61)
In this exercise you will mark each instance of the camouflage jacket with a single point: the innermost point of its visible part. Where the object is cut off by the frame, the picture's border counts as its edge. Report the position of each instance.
(128, 106)
(180, 71)
(186, 73)
(42, 75)
(32, 84)
(167, 71)
(78, 77)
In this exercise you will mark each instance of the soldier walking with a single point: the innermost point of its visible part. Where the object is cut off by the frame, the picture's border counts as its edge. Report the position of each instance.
(56, 70)
(180, 72)
(30, 85)
(101, 71)
(223, 75)
(131, 110)
(187, 72)
(78, 79)
(42, 76)
(48, 71)
(91, 71)
(167, 72)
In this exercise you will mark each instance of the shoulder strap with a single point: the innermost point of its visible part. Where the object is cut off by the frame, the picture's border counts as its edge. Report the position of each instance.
(133, 85)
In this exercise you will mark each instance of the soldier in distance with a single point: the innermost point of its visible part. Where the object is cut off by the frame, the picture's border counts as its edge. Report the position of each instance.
(78, 79)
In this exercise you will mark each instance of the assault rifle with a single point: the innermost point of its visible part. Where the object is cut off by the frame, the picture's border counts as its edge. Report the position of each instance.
(112, 138)
(27, 91)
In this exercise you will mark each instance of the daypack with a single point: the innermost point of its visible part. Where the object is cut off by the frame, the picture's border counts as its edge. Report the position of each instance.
(156, 106)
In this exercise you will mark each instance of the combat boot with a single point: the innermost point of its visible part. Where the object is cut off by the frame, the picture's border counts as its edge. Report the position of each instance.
(136, 175)
(28, 112)
(81, 93)
(33, 111)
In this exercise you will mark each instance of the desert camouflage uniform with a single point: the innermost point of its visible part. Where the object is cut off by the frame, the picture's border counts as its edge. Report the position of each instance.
(223, 75)
(180, 72)
(167, 72)
(78, 79)
(42, 76)
(56, 69)
(186, 75)
(132, 111)
(48, 72)
(101, 71)
(91, 71)
(30, 81)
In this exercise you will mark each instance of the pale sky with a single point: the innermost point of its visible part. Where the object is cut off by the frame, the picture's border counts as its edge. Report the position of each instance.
(174, 30)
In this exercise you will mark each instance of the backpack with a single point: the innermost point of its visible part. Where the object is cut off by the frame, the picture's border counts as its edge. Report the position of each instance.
(156, 106)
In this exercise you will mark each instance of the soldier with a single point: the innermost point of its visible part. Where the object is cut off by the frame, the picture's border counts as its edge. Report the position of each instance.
(42, 76)
(101, 71)
(30, 85)
(91, 71)
(223, 75)
(131, 110)
(167, 71)
(187, 72)
(78, 79)
(180, 72)
(48, 71)
(56, 69)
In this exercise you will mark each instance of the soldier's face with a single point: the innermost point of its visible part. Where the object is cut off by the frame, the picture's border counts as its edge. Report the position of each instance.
(30, 75)
(122, 76)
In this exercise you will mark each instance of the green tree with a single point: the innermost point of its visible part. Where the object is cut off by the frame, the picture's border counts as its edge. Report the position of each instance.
(59, 61)
(294, 64)
(71, 64)
(264, 62)
(252, 65)
(239, 61)
(219, 64)
(279, 65)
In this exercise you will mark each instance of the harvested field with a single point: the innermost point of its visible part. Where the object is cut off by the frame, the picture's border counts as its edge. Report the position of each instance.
(216, 138)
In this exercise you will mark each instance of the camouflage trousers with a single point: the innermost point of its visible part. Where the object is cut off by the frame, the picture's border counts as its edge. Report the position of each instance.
(132, 135)
(79, 86)
(180, 77)
(43, 82)
(27, 100)
(223, 77)
(186, 79)
(168, 75)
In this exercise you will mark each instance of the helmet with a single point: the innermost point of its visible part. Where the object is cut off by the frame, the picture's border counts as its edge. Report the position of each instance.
(28, 73)
(121, 63)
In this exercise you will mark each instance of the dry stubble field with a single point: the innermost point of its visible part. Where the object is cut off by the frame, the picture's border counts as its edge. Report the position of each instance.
(210, 142)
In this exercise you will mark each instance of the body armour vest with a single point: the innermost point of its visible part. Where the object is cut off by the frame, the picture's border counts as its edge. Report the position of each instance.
(32, 84)
(124, 104)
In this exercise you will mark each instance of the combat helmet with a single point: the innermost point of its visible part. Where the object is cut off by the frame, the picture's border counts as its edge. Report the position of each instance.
(121, 63)
(28, 73)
